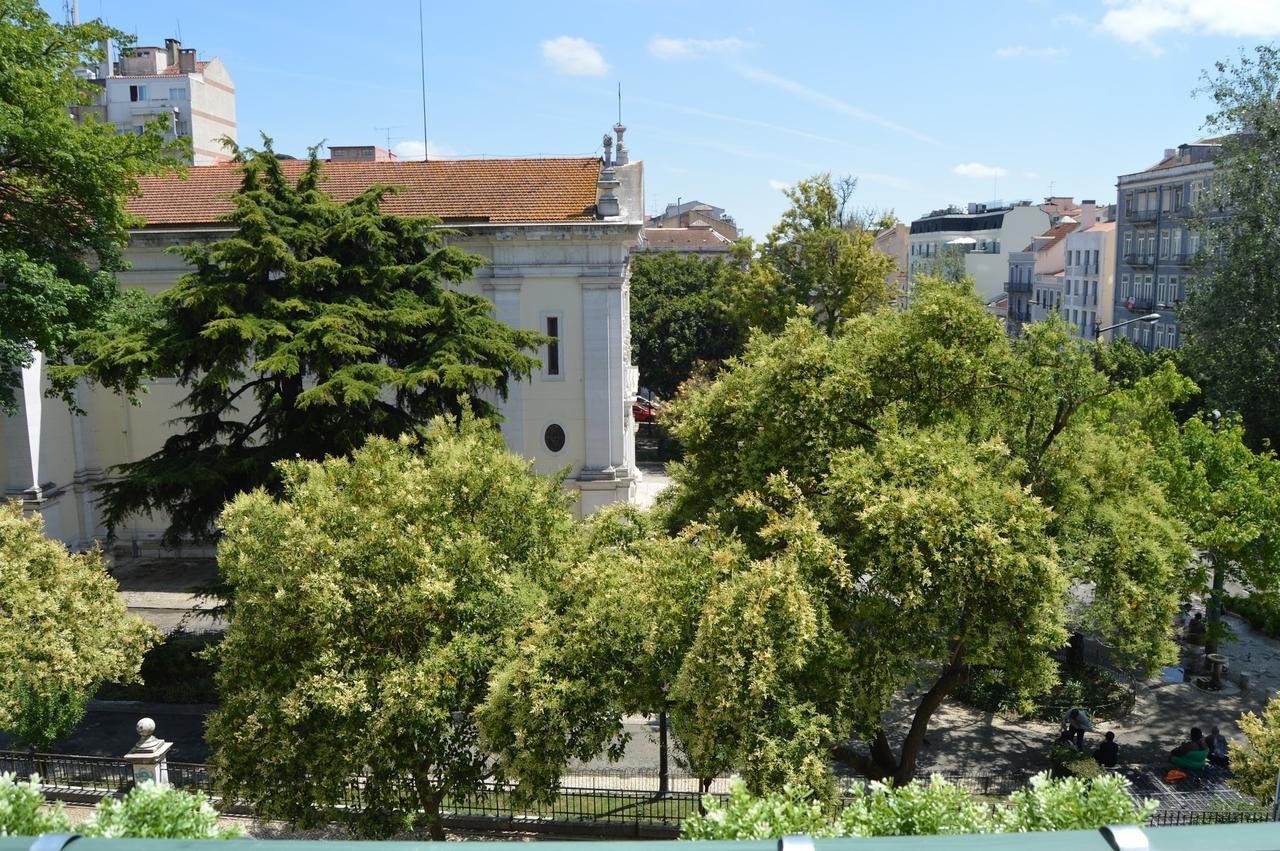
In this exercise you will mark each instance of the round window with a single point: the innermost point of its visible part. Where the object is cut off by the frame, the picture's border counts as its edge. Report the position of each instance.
(554, 437)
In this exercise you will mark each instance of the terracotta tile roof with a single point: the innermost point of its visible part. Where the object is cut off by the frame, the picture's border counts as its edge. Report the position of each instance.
(514, 190)
(1056, 234)
(685, 239)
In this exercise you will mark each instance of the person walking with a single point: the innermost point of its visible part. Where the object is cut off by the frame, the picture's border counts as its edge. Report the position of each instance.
(1074, 725)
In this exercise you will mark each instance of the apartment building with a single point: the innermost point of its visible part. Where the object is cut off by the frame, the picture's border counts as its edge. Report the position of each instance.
(1155, 242)
(894, 241)
(984, 234)
(195, 98)
(1088, 288)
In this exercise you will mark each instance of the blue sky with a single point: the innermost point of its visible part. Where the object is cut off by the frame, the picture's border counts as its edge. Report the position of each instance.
(927, 103)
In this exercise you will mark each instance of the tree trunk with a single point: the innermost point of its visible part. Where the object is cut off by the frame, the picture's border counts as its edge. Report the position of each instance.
(664, 776)
(429, 799)
(952, 677)
(1213, 610)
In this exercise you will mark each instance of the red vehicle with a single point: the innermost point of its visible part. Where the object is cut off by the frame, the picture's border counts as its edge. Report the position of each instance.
(645, 410)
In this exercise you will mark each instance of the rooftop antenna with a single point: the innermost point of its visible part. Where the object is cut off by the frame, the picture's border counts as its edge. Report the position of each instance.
(619, 101)
(179, 29)
(387, 130)
(422, 61)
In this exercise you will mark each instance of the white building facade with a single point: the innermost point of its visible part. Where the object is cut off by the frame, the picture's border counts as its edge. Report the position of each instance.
(195, 98)
(1089, 274)
(556, 235)
(984, 233)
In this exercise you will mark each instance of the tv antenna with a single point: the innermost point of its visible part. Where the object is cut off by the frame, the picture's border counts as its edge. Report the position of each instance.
(422, 61)
(387, 131)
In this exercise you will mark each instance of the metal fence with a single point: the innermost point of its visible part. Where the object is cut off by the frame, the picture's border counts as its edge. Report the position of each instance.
(605, 798)
(62, 771)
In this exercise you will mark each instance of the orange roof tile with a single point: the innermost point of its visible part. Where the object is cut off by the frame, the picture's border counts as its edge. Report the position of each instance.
(514, 190)
(685, 239)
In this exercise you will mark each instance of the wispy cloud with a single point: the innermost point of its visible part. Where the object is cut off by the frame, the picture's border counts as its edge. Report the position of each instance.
(413, 149)
(574, 56)
(1140, 21)
(1031, 175)
(980, 170)
(901, 184)
(1022, 50)
(779, 185)
(695, 48)
(759, 75)
(1067, 20)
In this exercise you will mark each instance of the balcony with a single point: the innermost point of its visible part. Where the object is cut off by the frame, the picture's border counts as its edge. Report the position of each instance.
(1141, 215)
(1140, 260)
(1017, 286)
(1177, 259)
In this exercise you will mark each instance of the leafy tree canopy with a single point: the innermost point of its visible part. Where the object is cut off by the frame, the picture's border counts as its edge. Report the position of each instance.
(817, 256)
(63, 630)
(678, 319)
(63, 187)
(858, 514)
(1232, 312)
(372, 602)
(315, 326)
(1256, 762)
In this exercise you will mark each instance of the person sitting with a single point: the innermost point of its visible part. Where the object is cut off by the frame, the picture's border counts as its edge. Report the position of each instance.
(1218, 747)
(1107, 754)
(1191, 754)
(1196, 630)
(1074, 725)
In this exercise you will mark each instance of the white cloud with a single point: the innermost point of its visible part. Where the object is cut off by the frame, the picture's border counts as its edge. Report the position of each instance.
(1031, 175)
(1034, 52)
(979, 170)
(574, 56)
(759, 75)
(1139, 21)
(779, 185)
(413, 149)
(694, 48)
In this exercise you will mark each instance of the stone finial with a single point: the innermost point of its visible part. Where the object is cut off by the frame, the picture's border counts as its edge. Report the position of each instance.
(621, 158)
(146, 728)
(148, 756)
(608, 150)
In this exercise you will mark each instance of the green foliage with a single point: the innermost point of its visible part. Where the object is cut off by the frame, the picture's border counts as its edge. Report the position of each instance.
(920, 809)
(1231, 309)
(1255, 763)
(155, 811)
(372, 604)
(63, 188)
(1089, 687)
(314, 312)
(679, 323)
(63, 630)
(177, 670)
(1066, 761)
(1260, 611)
(816, 257)
(23, 811)
(42, 719)
(966, 483)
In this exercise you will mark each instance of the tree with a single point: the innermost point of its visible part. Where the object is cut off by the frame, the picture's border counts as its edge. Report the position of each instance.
(678, 319)
(1229, 497)
(63, 631)
(857, 515)
(372, 603)
(948, 265)
(63, 187)
(967, 484)
(314, 312)
(816, 256)
(1233, 304)
(1256, 764)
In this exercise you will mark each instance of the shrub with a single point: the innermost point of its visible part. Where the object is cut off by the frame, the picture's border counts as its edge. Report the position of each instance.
(40, 720)
(175, 671)
(1260, 611)
(1066, 761)
(1089, 687)
(919, 809)
(1255, 762)
(154, 811)
(23, 812)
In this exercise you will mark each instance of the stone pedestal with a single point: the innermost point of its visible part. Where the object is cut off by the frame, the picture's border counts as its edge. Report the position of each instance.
(149, 756)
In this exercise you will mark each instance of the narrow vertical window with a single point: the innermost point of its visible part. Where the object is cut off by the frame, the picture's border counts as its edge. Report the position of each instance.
(553, 347)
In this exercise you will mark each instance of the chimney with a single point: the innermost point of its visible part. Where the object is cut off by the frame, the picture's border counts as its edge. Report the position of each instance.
(608, 151)
(171, 48)
(1169, 153)
(105, 67)
(187, 60)
(1088, 213)
(621, 158)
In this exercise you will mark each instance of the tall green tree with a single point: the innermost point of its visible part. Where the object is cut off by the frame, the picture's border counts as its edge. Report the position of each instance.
(316, 325)
(63, 188)
(817, 256)
(857, 515)
(678, 319)
(1233, 304)
(63, 631)
(372, 603)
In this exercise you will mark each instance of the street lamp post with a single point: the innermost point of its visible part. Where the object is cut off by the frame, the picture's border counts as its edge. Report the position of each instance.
(1149, 318)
